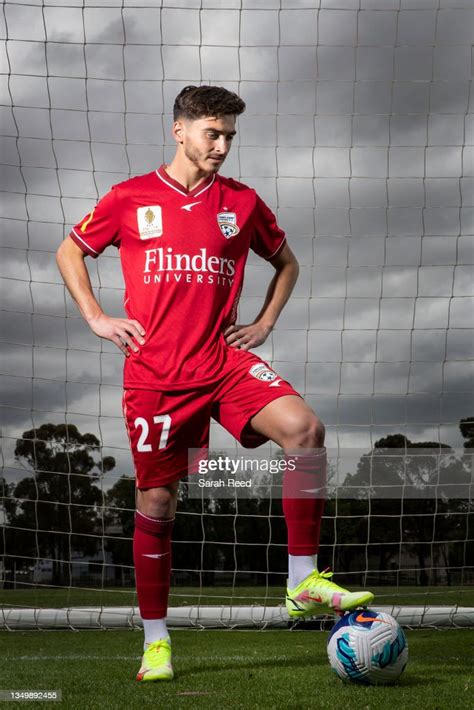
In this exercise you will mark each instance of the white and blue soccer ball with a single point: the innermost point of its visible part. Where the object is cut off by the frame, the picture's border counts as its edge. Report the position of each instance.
(368, 647)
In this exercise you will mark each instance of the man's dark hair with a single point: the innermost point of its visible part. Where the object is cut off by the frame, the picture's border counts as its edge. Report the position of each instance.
(205, 101)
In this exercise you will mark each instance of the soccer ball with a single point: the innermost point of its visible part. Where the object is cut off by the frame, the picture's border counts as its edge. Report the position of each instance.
(368, 647)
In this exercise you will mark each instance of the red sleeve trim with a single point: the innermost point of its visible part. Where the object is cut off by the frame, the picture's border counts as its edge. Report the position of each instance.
(83, 245)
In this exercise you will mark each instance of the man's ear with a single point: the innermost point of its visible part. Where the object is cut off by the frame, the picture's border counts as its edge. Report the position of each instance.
(178, 131)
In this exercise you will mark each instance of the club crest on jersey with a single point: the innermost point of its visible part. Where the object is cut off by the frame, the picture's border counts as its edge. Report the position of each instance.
(263, 372)
(227, 222)
(149, 221)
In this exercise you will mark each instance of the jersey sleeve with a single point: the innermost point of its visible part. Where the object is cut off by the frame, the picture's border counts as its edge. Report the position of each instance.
(100, 228)
(267, 237)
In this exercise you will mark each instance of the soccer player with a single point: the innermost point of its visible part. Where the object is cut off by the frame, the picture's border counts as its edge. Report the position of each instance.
(183, 233)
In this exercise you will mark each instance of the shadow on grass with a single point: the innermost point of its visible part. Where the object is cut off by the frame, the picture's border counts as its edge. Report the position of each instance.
(406, 680)
(250, 665)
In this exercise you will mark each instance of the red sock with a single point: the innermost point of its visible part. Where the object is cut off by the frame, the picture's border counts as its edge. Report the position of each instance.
(152, 558)
(304, 491)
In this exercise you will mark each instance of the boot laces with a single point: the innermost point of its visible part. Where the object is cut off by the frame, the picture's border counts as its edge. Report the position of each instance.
(324, 580)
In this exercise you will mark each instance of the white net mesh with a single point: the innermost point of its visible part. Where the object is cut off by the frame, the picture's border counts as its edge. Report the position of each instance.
(358, 134)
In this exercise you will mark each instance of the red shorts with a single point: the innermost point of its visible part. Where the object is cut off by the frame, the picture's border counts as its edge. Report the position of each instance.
(163, 426)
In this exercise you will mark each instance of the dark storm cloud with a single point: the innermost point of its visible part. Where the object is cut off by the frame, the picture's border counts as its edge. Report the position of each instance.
(364, 163)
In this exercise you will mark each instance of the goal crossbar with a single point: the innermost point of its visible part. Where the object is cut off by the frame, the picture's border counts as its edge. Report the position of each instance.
(257, 616)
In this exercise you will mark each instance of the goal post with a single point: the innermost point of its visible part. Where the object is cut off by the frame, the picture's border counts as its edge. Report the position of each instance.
(219, 617)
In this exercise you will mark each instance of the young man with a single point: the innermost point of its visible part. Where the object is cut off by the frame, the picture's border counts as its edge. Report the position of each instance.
(184, 233)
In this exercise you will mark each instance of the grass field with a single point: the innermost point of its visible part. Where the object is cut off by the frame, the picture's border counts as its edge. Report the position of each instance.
(184, 596)
(231, 669)
(222, 668)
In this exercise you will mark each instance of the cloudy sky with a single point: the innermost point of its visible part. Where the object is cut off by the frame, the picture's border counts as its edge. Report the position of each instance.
(358, 135)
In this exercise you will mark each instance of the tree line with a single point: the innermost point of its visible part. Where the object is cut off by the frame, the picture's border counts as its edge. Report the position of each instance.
(61, 510)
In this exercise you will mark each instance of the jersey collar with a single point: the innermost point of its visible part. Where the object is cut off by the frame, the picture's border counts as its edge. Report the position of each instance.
(175, 185)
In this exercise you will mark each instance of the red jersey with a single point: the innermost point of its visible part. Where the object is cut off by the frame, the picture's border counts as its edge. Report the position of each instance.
(183, 255)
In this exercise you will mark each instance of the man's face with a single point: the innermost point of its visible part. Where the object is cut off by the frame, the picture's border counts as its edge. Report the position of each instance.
(206, 141)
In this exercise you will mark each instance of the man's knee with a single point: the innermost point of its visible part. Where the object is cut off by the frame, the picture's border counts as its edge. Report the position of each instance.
(158, 502)
(306, 431)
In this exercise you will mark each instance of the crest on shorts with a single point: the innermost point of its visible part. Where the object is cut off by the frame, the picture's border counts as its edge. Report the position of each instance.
(262, 372)
(227, 222)
(149, 222)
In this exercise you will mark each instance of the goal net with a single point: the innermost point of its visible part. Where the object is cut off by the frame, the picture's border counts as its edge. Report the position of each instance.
(358, 134)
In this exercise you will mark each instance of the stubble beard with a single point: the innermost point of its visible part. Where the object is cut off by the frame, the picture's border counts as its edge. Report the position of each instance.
(199, 160)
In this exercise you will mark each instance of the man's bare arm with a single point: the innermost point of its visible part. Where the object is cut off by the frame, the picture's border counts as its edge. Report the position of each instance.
(121, 331)
(279, 290)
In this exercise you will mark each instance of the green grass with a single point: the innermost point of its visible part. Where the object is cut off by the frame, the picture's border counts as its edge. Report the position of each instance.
(230, 669)
(184, 596)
